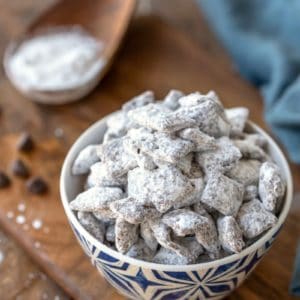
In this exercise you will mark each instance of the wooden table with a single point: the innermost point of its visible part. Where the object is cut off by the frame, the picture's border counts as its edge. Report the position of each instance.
(168, 45)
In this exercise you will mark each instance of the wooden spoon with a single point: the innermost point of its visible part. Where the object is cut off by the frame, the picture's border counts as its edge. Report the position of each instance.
(106, 20)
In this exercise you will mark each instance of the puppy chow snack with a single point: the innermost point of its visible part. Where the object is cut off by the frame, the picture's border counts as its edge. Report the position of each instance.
(237, 118)
(178, 181)
(223, 194)
(171, 100)
(254, 219)
(250, 193)
(223, 158)
(246, 172)
(230, 235)
(85, 159)
(271, 186)
(92, 225)
(126, 235)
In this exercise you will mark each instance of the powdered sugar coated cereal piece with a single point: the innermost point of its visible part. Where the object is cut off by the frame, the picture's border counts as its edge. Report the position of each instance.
(202, 141)
(145, 161)
(148, 236)
(192, 244)
(194, 196)
(185, 163)
(256, 139)
(200, 209)
(140, 250)
(237, 117)
(158, 145)
(197, 98)
(170, 149)
(158, 117)
(96, 199)
(195, 171)
(169, 257)
(251, 192)
(126, 235)
(118, 161)
(85, 159)
(171, 99)
(245, 172)
(250, 151)
(253, 219)
(132, 211)
(141, 100)
(183, 221)
(222, 159)
(169, 184)
(230, 235)
(106, 216)
(92, 225)
(110, 234)
(271, 186)
(223, 194)
(117, 126)
(207, 235)
(100, 176)
(214, 96)
(150, 116)
(209, 116)
(136, 141)
(163, 236)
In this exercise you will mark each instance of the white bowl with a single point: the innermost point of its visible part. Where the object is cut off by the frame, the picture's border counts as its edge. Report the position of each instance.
(138, 279)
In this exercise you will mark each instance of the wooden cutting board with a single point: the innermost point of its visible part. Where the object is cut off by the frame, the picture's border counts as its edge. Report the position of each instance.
(154, 56)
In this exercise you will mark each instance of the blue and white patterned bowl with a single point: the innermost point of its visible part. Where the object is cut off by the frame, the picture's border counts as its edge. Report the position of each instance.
(137, 279)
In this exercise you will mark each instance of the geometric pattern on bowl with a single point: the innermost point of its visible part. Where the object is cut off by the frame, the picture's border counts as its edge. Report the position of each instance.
(137, 282)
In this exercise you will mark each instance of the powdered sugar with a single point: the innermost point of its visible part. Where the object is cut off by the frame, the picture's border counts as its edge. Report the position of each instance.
(57, 60)
(37, 224)
(20, 219)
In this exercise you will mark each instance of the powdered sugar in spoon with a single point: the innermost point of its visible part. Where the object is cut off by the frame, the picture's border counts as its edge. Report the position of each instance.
(104, 20)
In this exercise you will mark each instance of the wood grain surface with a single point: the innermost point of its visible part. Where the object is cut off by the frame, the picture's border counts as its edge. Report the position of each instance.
(170, 46)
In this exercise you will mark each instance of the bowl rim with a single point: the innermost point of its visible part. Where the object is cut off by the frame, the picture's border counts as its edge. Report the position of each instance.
(77, 146)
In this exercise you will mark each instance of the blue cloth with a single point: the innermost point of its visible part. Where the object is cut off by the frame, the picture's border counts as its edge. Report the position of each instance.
(263, 39)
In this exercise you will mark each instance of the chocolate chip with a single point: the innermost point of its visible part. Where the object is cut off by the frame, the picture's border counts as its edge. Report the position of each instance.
(25, 142)
(18, 168)
(37, 185)
(4, 180)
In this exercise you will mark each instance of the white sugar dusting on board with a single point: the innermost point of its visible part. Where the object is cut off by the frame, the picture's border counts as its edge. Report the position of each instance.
(20, 219)
(37, 224)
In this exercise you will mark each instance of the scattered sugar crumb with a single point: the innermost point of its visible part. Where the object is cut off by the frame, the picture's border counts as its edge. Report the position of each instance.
(1, 257)
(21, 207)
(20, 219)
(37, 244)
(10, 214)
(59, 132)
(26, 227)
(37, 224)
